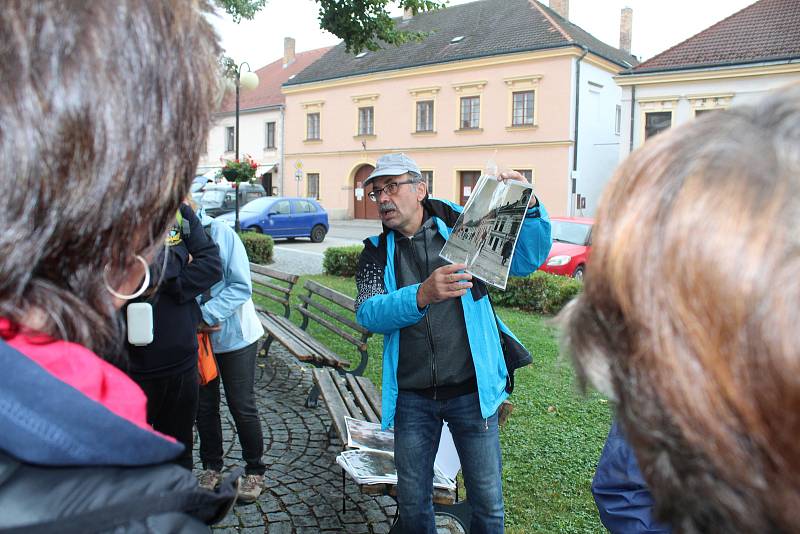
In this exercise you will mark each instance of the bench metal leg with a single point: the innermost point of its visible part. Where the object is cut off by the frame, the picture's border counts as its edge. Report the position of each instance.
(313, 397)
(344, 495)
(362, 365)
(265, 347)
(329, 435)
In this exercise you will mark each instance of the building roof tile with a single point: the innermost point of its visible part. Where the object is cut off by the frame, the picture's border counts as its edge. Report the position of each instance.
(488, 27)
(768, 30)
(271, 77)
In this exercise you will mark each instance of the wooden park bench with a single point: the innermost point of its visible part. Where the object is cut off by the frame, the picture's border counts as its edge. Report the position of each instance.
(357, 397)
(322, 305)
(273, 285)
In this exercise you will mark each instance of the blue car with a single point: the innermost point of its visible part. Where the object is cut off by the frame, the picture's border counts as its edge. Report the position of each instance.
(282, 217)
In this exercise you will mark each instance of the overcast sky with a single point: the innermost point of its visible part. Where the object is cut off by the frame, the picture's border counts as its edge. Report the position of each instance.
(657, 25)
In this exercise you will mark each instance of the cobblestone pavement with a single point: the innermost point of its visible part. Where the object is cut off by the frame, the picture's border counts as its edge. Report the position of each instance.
(303, 483)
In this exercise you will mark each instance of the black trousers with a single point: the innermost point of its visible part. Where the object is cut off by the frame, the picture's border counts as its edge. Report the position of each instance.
(172, 408)
(237, 370)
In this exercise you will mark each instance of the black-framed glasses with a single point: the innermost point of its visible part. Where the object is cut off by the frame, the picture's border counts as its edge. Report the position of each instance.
(390, 189)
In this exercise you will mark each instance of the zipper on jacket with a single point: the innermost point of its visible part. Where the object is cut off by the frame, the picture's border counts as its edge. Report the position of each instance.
(427, 318)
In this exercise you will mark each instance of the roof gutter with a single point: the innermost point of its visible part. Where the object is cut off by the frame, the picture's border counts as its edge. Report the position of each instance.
(283, 146)
(292, 84)
(712, 66)
(633, 105)
(271, 107)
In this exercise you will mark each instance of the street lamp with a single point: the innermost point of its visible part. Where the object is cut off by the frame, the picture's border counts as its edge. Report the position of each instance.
(247, 80)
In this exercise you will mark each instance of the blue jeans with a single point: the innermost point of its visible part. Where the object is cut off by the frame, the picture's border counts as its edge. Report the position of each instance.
(418, 427)
(237, 369)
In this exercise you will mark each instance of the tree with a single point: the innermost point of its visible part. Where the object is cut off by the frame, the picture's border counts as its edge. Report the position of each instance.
(359, 23)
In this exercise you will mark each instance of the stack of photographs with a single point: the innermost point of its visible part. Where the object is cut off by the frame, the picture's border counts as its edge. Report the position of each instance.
(371, 457)
(485, 234)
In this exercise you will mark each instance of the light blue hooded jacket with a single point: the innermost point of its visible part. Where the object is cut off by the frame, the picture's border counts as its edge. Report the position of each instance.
(231, 297)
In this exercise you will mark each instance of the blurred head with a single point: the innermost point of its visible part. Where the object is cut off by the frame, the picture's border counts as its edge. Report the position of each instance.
(690, 311)
(102, 115)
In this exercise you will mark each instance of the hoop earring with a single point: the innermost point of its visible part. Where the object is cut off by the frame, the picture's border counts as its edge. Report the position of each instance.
(141, 290)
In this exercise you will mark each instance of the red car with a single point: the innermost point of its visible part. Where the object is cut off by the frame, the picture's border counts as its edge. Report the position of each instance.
(572, 242)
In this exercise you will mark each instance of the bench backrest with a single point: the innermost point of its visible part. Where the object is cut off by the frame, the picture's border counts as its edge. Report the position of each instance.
(334, 311)
(272, 284)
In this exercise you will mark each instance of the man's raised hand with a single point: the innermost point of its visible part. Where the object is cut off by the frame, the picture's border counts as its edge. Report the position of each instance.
(444, 283)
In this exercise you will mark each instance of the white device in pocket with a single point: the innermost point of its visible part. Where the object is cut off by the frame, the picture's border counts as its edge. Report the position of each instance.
(140, 323)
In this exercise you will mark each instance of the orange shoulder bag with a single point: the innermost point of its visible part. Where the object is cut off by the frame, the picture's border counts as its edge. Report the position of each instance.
(206, 364)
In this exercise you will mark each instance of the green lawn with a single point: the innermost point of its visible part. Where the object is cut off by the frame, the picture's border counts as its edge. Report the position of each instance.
(552, 440)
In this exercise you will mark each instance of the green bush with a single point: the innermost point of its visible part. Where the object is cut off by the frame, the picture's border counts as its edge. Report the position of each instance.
(538, 293)
(258, 247)
(342, 261)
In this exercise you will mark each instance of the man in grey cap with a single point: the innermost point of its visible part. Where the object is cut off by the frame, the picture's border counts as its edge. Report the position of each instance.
(442, 358)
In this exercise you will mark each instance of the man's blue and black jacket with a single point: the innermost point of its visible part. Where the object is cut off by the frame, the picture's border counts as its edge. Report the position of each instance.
(384, 308)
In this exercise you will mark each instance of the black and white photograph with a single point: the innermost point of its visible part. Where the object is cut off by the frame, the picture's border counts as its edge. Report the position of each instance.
(485, 234)
(368, 436)
(369, 467)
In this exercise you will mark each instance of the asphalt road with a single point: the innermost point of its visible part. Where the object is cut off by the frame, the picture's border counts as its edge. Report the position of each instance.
(301, 256)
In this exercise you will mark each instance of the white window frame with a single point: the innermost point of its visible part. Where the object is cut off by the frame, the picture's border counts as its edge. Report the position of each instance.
(424, 94)
(366, 120)
(426, 125)
(313, 108)
(427, 177)
(465, 90)
(230, 138)
(267, 145)
(527, 114)
(313, 126)
(308, 185)
(522, 84)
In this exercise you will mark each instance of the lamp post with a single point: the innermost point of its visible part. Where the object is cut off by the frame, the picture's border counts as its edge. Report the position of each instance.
(247, 80)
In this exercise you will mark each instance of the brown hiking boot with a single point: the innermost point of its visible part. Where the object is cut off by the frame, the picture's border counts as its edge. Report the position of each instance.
(250, 488)
(209, 479)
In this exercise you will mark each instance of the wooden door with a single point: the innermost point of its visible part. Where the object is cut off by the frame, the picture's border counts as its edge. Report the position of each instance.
(266, 182)
(363, 208)
(467, 182)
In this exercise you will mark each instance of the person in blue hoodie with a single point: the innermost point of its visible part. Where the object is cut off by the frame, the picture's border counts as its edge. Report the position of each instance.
(230, 316)
(442, 357)
(102, 125)
(620, 492)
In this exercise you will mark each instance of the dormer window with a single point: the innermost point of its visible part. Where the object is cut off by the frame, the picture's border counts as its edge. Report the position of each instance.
(360, 55)
(457, 39)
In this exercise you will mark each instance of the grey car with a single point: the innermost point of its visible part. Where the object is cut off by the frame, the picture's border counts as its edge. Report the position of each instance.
(217, 199)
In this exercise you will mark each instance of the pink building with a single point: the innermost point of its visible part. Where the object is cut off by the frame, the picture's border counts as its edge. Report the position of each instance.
(511, 81)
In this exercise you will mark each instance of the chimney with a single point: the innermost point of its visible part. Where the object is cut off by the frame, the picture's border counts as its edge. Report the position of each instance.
(288, 51)
(408, 14)
(625, 29)
(561, 7)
